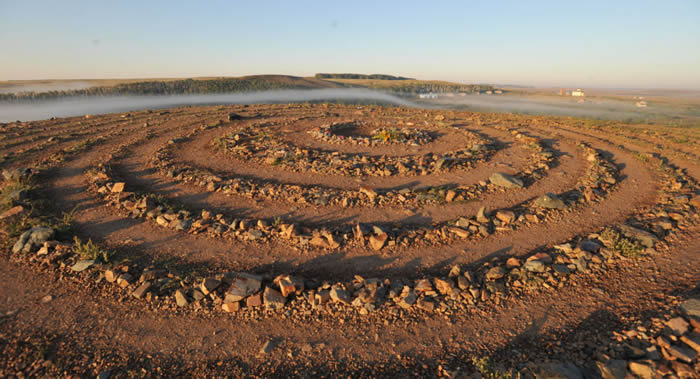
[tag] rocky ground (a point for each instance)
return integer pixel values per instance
(323, 240)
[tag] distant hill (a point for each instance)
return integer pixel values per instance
(185, 87)
(198, 86)
(361, 76)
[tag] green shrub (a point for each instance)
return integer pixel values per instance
(89, 250)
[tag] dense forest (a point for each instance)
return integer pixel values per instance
(361, 76)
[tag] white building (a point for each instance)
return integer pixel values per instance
(578, 92)
(427, 95)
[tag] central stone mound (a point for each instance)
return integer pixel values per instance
(354, 132)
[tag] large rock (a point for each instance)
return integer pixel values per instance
(378, 241)
(504, 180)
(691, 307)
(534, 266)
(244, 286)
(339, 295)
(647, 239)
(550, 201)
(558, 370)
(273, 299)
(612, 369)
(32, 239)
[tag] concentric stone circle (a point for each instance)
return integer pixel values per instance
(250, 214)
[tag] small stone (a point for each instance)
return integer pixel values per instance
(513, 262)
(691, 307)
(118, 187)
(378, 241)
(209, 285)
(82, 265)
(339, 295)
(612, 369)
(692, 340)
(372, 194)
(647, 239)
(552, 370)
(254, 300)
(534, 266)
(152, 275)
(550, 201)
(231, 307)
(245, 285)
(444, 286)
(462, 282)
(273, 299)
(423, 285)
(267, 347)
(481, 215)
(12, 212)
(682, 353)
(124, 280)
(47, 299)
(683, 370)
(33, 239)
(111, 275)
(180, 298)
(542, 257)
(408, 298)
(504, 180)
(641, 370)
(677, 325)
(505, 216)
(450, 196)
(461, 233)
(496, 273)
(290, 285)
(140, 292)
(426, 304)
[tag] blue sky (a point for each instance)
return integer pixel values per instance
(627, 44)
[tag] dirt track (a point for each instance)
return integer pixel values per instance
(88, 328)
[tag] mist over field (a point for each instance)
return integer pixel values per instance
(544, 106)
(75, 106)
(592, 107)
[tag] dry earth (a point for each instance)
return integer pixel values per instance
(235, 241)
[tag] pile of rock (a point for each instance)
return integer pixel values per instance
(660, 347)
(403, 136)
(232, 292)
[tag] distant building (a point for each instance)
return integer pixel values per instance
(498, 92)
(427, 95)
(641, 104)
(578, 92)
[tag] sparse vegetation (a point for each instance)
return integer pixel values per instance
(486, 368)
(89, 250)
(627, 247)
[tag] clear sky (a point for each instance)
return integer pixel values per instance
(622, 44)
